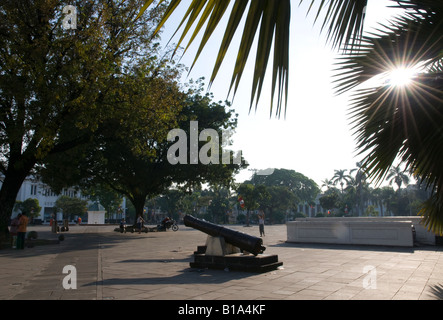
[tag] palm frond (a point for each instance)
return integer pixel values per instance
(408, 40)
(401, 122)
(343, 20)
(271, 19)
(404, 43)
(404, 122)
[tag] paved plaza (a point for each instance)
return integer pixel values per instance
(155, 266)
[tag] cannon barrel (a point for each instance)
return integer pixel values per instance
(239, 239)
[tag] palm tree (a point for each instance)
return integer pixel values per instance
(376, 195)
(397, 176)
(327, 183)
(360, 179)
(387, 194)
(341, 177)
(390, 121)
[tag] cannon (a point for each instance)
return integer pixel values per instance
(238, 239)
(229, 249)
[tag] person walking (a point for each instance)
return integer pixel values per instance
(21, 231)
(140, 221)
(261, 223)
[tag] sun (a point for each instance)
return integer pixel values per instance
(400, 77)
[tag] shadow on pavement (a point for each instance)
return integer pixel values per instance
(71, 242)
(186, 276)
(437, 291)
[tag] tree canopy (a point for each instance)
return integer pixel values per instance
(55, 82)
(131, 157)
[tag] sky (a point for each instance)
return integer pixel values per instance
(315, 137)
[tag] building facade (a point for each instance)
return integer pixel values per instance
(33, 188)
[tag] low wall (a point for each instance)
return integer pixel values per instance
(385, 231)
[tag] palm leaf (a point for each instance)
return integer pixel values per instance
(407, 41)
(271, 19)
(343, 21)
(406, 123)
(403, 123)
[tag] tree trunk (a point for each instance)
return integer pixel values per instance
(247, 217)
(8, 194)
(139, 204)
(381, 209)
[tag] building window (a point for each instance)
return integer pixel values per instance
(33, 189)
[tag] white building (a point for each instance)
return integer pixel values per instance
(35, 189)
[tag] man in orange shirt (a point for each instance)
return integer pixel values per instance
(21, 231)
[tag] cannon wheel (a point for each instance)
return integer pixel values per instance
(174, 227)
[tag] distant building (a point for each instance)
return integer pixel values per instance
(35, 189)
(96, 214)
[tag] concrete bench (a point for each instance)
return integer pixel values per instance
(357, 231)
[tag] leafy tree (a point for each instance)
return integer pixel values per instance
(280, 199)
(304, 188)
(170, 202)
(253, 196)
(400, 204)
(219, 206)
(131, 157)
(387, 195)
(330, 200)
(376, 197)
(30, 206)
(54, 81)
(104, 195)
(351, 198)
(192, 202)
(371, 212)
(71, 207)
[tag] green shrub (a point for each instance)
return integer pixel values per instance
(300, 215)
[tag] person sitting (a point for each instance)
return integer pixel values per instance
(122, 225)
(165, 222)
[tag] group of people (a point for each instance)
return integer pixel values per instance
(20, 223)
(18, 230)
(261, 223)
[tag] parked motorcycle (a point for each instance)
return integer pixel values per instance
(167, 224)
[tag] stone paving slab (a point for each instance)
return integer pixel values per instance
(155, 266)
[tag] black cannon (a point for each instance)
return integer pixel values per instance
(223, 246)
(238, 239)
